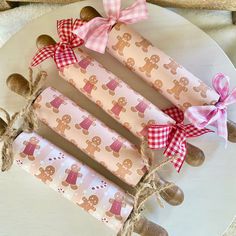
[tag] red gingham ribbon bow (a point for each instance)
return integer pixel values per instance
(173, 137)
(61, 52)
(95, 32)
(215, 115)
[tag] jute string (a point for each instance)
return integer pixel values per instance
(146, 188)
(27, 117)
(143, 191)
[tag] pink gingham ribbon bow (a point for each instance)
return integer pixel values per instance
(95, 32)
(173, 136)
(216, 115)
(62, 52)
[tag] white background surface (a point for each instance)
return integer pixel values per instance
(27, 207)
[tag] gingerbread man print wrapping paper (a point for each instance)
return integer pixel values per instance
(114, 96)
(89, 134)
(153, 65)
(99, 85)
(171, 79)
(177, 84)
(72, 179)
(202, 105)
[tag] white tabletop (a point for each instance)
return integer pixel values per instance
(27, 207)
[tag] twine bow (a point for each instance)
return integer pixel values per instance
(27, 117)
(173, 137)
(62, 52)
(143, 191)
(7, 138)
(214, 115)
(95, 32)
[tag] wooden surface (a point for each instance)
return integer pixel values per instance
(27, 207)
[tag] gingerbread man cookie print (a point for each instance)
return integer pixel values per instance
(30, 148)
(202, 88)
(93, 146)
(127, 125)
(72, 175)
(56, 103)
(46, 173)
(63, 124)
(117, 26)
(124, 168)
(90, 85)
(172, 66)
(117, 203)
(158, 85)
(122, 43)
(143, 44)
(84, 63)
(144, 131)
(184, 106)
(150, 65)
(85, 124)
(118, 107)
(141, 107)
(129, 63)
(179, 87)
(116, 146)
(89, 203)
(72, 82)
(111, 85)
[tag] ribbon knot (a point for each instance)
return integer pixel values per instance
(95, 32)
(179, 126)
(214, 115)
(220, 105)
(112, 21)
(173, 137)
(62, 52)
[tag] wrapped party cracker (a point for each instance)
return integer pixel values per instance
(89, 134)
(69, 177)
(72, 179)
(102, 87)
(202, 105)
(33, 149)
(98, 84)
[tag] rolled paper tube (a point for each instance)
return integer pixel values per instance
(78, 183)
(130, 168)
(162, 72)
(114, 96)
(90, 135)
(72, 179)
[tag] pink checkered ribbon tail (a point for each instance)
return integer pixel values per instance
(173, 137)
(62, 52)
(214, 115)
(95, 32)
